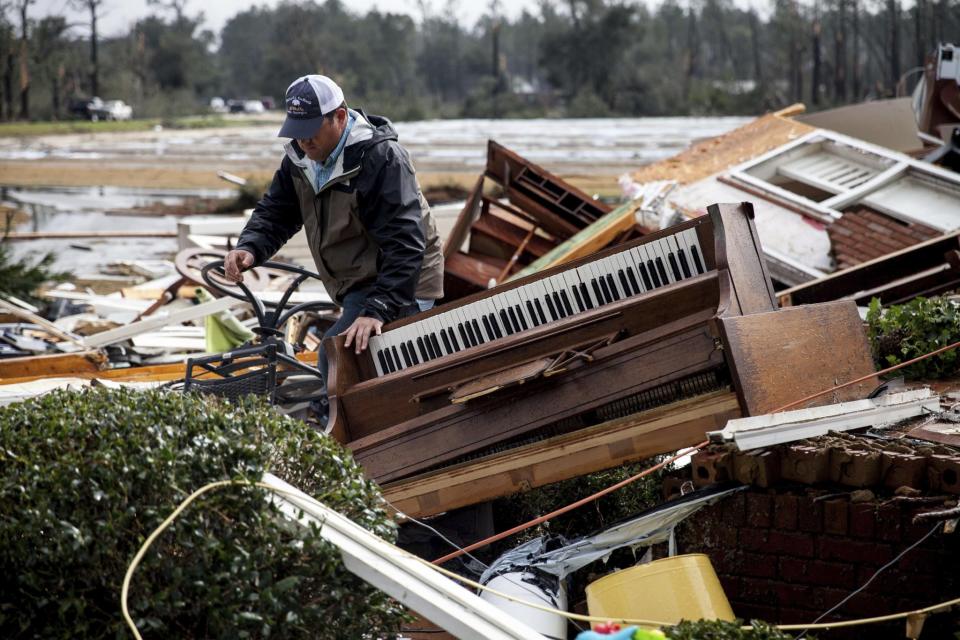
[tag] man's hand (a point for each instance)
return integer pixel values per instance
(360, 331)
(236, 261)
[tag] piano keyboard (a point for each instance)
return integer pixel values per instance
(629, 273)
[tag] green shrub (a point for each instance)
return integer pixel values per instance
(721, 630)
(85, 477)
(903, 332)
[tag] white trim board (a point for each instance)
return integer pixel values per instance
(161, 319)
(398, 574)
(771, 429)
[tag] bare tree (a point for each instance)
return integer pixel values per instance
(93, 6)
(815, 46)
(840, 53)
(22, 6)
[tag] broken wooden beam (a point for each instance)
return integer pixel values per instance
(636, 437)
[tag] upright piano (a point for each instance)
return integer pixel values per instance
(686, 310)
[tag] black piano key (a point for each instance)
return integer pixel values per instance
(396, 358)
(446, 341)
(682, 256)
(585, 294)
(472, 338)
(423, 349)
(533, 314)
(464, 336)
(486, 325)
(672, 259)
(624, 284)
(566, 302)
(383, 362)
(578, 299)
(597, 292)
(495, 326)
(631, 276)
(429, 346)
(605, 288)
(512, 314)
(558, 303)
(453, 339)
(516, 314)
(612, 286)
(645, 276)
(543, 316)
(652, 269)
(662, 271)
(436, 345)
(696, 260)
(506, 322)
(552, 309)
(476, 330)
(406, 355)
(390, 367)
(411, 348)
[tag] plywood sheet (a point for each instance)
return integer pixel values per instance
(717, 154)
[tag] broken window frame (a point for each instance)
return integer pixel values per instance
(891, 168)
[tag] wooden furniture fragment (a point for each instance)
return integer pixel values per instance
(406, 422)
(491, 239)
(925, 269)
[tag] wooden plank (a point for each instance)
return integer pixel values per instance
(780, 356)
(587, 241)
(53, 369)
(478, 272)
(469, 214)
(603, 446)
(739, 252)
(155, 322)
(49, 366)
(33, 318)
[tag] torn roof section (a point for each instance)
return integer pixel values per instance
(823, 200)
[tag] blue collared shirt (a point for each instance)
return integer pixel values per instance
(323, 170)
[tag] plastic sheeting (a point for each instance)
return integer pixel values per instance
(557, 557)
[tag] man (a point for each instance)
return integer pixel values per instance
(347, 180)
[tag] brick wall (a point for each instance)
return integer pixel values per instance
(786, 558)
(863, 234)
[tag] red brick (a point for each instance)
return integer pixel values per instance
(752, 610)
(710, 467)
(889, 528)
(785, 512)
(855, 468)
(810, 515)
(807, 465)
(757, 565)
(903, 470)
(847, 550)
(759, 468)
(862, 520)
(734, 509)
(789, 615)
(777, 542)
(943, 473)
(818, 572)
(759, 510)
(912, 532)
(835, 517)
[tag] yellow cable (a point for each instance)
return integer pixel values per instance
(566, 614)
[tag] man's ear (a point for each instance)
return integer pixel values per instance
(341, 116)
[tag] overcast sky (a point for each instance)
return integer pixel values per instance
(118, 15)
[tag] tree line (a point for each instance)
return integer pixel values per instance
(571, 57)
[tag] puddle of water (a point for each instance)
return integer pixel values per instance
(85, 209)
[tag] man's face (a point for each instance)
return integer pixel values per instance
(325, 140)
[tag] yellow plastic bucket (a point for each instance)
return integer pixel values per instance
(669, 590)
